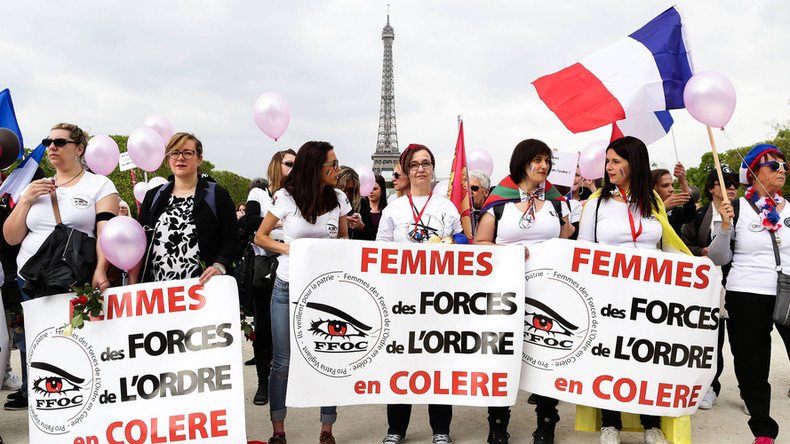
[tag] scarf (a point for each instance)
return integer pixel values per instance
(768, 214)
(508, 191)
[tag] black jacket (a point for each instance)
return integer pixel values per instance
(369, 232)
(218, 236)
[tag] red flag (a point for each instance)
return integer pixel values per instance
(458, 189)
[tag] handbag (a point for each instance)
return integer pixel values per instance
(67, 257)
(781, 313)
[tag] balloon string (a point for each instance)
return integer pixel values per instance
(743, 162)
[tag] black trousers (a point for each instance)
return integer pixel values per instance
(439, 416)
(716, 385)
(262, 345)
(545, 407)
(749, 328)
(611, 418)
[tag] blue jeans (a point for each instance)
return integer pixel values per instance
(281, 348)
(19, 339)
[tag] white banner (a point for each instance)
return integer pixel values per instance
(619, 328)
(163, 366)
(563, 168)
(376, 323)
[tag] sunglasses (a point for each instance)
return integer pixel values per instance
(333, 164)
(289, 164)
(396, 175)
(774, 165)
(475, 188)
(60, 143)
(729, 183)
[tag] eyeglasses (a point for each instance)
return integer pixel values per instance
(289, 164)
(333, 164)
(60, 143)
(774, 165)
(416, 166)
(187, 154)
(729, 183)
(396, 175)
(475, 188)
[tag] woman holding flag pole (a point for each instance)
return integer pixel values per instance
(516, 214)
(627, 212)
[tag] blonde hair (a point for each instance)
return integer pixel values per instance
(343, 176)
(179, 139)
(77, 134)
(274, 172)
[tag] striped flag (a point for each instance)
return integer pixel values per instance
(629, 84)
(458, 189)
(22, 175)
(8, 117)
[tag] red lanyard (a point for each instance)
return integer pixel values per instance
(418, 217)
(634, 232)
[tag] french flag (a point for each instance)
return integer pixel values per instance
(630, 84)
(20, 178)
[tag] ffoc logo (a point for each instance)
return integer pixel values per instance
(63, 381)
(340, 323)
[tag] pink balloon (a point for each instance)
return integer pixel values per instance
(161, 125)
(140, 188)
(366, 180)
(440, 189)
(146, 149)
(156, 181)
(272, 114)
(102, 155)
(592, 160)
(480, 160)
(709, 97)
(123, 242)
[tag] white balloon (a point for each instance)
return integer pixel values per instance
(156, 181)
(440, 189)
(140, 188)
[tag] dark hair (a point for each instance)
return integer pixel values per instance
(383, 187)
(713, 177)
(635, 152)
(258, 182)
(304, 183)
(523, 153)
(656, 175)
(406, 156)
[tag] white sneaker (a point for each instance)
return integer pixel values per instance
(392, 439)
(441, 439)
(655, 436)
(610, 435)
(12, 381)
(709, 400)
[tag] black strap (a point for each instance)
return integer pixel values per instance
(773, 239)
(595, 229)
(103, 216)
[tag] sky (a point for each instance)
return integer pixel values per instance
(107, 65)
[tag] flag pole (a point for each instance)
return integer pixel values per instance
(716, 161)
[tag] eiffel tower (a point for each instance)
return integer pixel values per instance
(387, 153)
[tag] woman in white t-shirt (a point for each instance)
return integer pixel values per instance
(259, 201)
(529, 218)
(752, 280)
(309, 207)
(86, 201)
(627, 212)
(419, 216)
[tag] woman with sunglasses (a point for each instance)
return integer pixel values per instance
(400, 183)
(627, 212)
(525, 209)
(190, 222)
(760, 227)
(697, 235)
(309, 206)
(419, 217)
(86, 202)
(259, 201)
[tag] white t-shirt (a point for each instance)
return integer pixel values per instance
(440, 218)
(576, 210)
(296, 227)
(77, 205)
(753, 264)
(545, 226)
(614, 227)
(262, 197)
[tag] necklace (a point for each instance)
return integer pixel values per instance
(68, 181)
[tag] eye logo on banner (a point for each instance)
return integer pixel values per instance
(62, 391)
(341, 323)
(562, 330)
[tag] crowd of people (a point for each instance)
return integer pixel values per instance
(192, 233)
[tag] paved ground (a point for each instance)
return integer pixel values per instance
(367, 424)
